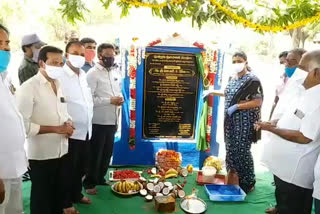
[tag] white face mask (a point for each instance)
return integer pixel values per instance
(54, 72)
(76, 61)
(237, 68)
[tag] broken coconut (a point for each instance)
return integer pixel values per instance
(150, 186)
(157, 189)
(143, 192)
(161, 184)
(149, 198)
(154, 170)
(167, 184)
(181, 194)
(184, 172)
(166, 191)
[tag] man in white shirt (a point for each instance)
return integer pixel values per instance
(80, 107)
(316, 184)
(105, 82)
(289, 91)
(295, 75)
(48, 127)
(294, 143)
(13, 161)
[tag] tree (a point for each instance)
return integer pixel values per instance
(279, 13)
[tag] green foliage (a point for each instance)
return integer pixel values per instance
(284, 12)
(73, 10)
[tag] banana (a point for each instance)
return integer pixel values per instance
(171, 171)
(136, 187)
(156, 176)
(120, 187)
(172, 175)
(124, 188)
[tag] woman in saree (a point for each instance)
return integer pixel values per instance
(243, 100)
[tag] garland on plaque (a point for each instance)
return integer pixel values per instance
(133, 83)
(210, 63)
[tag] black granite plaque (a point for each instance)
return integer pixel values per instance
(171, 84)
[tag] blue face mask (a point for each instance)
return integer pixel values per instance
(4, 60)
(290, 71)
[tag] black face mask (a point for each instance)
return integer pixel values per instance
(108, 61)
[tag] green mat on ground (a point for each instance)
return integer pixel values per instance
(106, 202)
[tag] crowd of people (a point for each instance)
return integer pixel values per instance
(67, 108)
(292, 147)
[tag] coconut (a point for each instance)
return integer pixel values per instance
(181, 194)
(159, 194)
(143, 192)
(161, 184)
(157, 189)
(149, 198)
(165, 191)
(154, 170)
(155, 181)
(184, 172)
(167, 184)
(142, 179)
(150, 186)
(179, 186)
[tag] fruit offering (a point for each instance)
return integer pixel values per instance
(171, 173)
(126, 174)
(213, 161)
(127, 187)
(167, 159)
(156, 188)
(190, 168)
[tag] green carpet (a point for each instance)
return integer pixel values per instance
(106, 202)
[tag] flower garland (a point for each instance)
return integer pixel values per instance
(233, 15)
(265, 28)
(156, 6)
(133, 83)
(210, 64)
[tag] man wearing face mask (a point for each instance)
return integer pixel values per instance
(90, 53)
(13, 162)
(80, 107)
(29, 67)
(293, 146)
(48, 126)
(105, 82)
(295, 75)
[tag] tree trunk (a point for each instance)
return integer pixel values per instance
(296, 37)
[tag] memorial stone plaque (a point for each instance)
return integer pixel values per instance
(171, 84)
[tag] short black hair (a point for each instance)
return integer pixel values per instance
(283, 54)
(88, 40)
(25, 46)
(43, 54)
(104, 46)
(73, 43)
(240, 54)
(4, 29)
